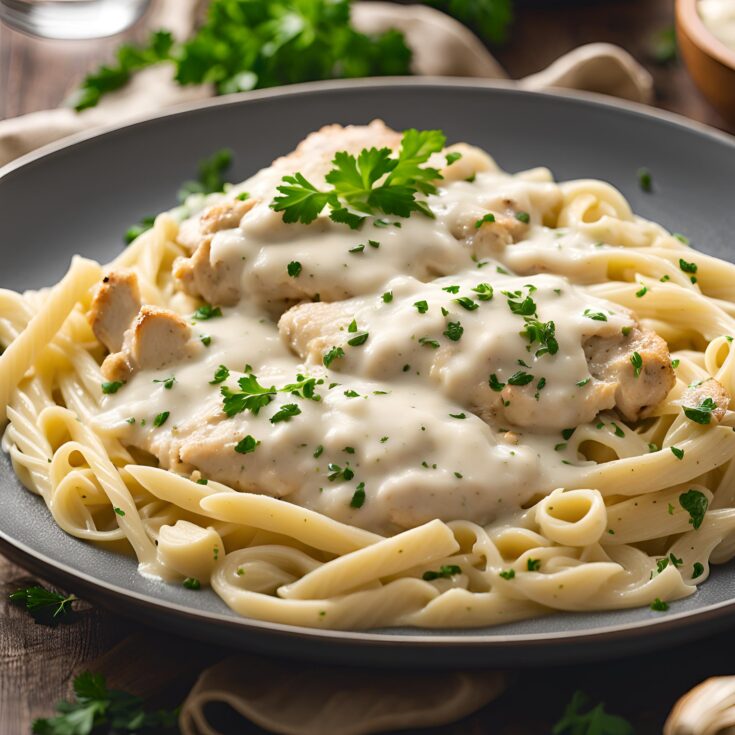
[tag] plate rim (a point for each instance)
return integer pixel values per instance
(468, 638)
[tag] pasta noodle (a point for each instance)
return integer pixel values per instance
(394, 473)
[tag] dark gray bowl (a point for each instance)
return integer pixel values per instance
(81, 197)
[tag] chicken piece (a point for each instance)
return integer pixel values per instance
(216, 283)
(310, 329)
(313, 155)
(640, 388)
(115, 304)
(698, 393)
(458, 349)
(491, 237)
(157, 338)
(225, 215)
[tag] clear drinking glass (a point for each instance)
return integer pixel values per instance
(71, 19)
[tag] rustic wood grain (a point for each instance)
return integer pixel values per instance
(37, 663)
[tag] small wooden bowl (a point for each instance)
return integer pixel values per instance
(710, 62)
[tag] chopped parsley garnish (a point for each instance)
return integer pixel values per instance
(617, 429)
(466, 303)
(454, 331)
(520, 378)
(202, 481)
(484, 291)
(358, 340)
(168, 383)
(626, 331)
(637, 362)
(687, 267)
(520, 305)
(452, 157)
(343, 474)
(678, 453)
(247, 445)
(426, 342)
(352, 327)
(583, 382)
(598, 316)
(446, 571)
(355, 191)
(697, 570)
(495, 384)
(675, 363)
(251, 397)
(489, 217)
(560, 447)
(220, 375)
(664, 278)
(318, 451)
(695, 503)
(334, 354)
(508, 574)
(374, 244)
(458, 415)
(524, 217)
(161, 418)
(192, 583)
(645, 180)
(285, 413)
(242, 196)
(421, 306)
(206, 312)
(120, 512)
(542, 332)
(205, 339)
(303, 387)
(357, 249)
(567, 434)
(358, 497)
(451, 289)
(659, 605)
(642, 291)
(533, 565)
(294, 269)
(46, 606)
(387, 297)
(112, 386)
(701, 414)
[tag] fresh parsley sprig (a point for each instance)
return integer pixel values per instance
(254, 44)
(95, 706)
(46, 606)
(373, 182)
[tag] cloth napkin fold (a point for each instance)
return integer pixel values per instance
(441, 46)
(299, 699)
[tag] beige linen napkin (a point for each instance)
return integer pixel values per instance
(442, 47)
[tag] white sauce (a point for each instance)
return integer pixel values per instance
(413, 460)
(719, 17)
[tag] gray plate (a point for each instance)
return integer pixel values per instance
(82, 196)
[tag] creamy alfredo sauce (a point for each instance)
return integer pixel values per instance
(719, 17)
(395, 437)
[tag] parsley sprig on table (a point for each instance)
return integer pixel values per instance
(253, 44)
(46, 606)
(595, 721)
(97, 707)
(374, 182)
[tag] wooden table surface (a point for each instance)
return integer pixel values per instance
(37, 663)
